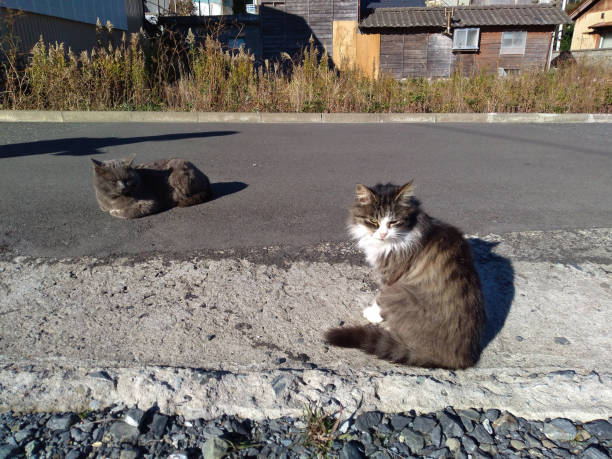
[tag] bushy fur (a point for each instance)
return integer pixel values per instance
(128, 191)
(429, 310)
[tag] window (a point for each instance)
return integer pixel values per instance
(606, 40)
(513, 42)
(502, 72)
(466, 39)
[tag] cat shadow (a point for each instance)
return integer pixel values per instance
(497, 278)
(87, 146)
(221, 189)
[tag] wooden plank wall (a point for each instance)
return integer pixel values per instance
(413, 55)
(488, 58)
(287, 25)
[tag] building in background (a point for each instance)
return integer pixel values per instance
(593, 27)
(436, 42)
(155, 8)
(70, 22)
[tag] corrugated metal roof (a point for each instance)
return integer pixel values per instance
(466, 16)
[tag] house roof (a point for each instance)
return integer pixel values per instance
(582, 8)
(465, 16)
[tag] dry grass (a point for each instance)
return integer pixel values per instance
(180, 75)
(320, 430)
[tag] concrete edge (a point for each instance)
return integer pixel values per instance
(252, 117)
(198, 393)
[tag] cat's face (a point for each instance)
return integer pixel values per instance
(383, 217)
(115, 178)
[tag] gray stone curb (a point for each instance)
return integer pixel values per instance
(227, 117)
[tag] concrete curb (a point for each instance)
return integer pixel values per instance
(246, 117)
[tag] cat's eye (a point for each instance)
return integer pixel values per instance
(394, 222)
(373, 221)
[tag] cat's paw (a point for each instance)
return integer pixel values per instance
(372, 314)
(117, 213)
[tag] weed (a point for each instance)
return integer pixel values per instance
(320, 429)
(195, 73)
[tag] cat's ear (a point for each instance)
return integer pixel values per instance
(128, 161)
(405, 192)
(364, 195)
(97, 164)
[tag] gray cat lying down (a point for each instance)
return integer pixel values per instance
(131, 191)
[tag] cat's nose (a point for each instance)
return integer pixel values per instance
(383, 234)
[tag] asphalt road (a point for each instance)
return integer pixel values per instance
(292, 184)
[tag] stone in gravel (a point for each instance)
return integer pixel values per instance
(413, 440)
(582, 435)
(450, 425)
(436, 436)
(352, 450)
(594, 452)
(491, 415)
(343, 427)
(600, 428)
(158, 425)
(214, 448)
(481, 435)
(134, 417)
(130, 453)
(32, 447)
(384, 429)
(443, 452)
(534, 452)
(74, 454)
(453, 445)
(548, 444)
(62, 421)
(468, 426)
(8, 451)
(560, 429)
(121, 432)
(531, 441)
(489, 449)
(24, 434)
(561, 452)
(518, 445)
(78, 435)
(469, 444)
(399, 421)
(505, 423)
(212, 430)
(368, 420)
(423, 424)
(471, 414)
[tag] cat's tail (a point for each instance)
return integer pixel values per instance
(194, 199)
(371, 339)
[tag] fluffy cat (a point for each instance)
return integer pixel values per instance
(429, 310)
(131, 191)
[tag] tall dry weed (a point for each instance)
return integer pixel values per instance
(198, 74)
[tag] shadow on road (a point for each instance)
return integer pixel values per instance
(221, 189)
(497, 277)
(84, 146)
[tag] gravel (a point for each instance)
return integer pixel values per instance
(129, 433)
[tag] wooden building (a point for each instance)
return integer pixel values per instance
(593, 26)
(435, 42)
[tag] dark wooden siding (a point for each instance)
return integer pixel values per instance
(411, 55)
(430, 54)
(287, 25)
(489, 58)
